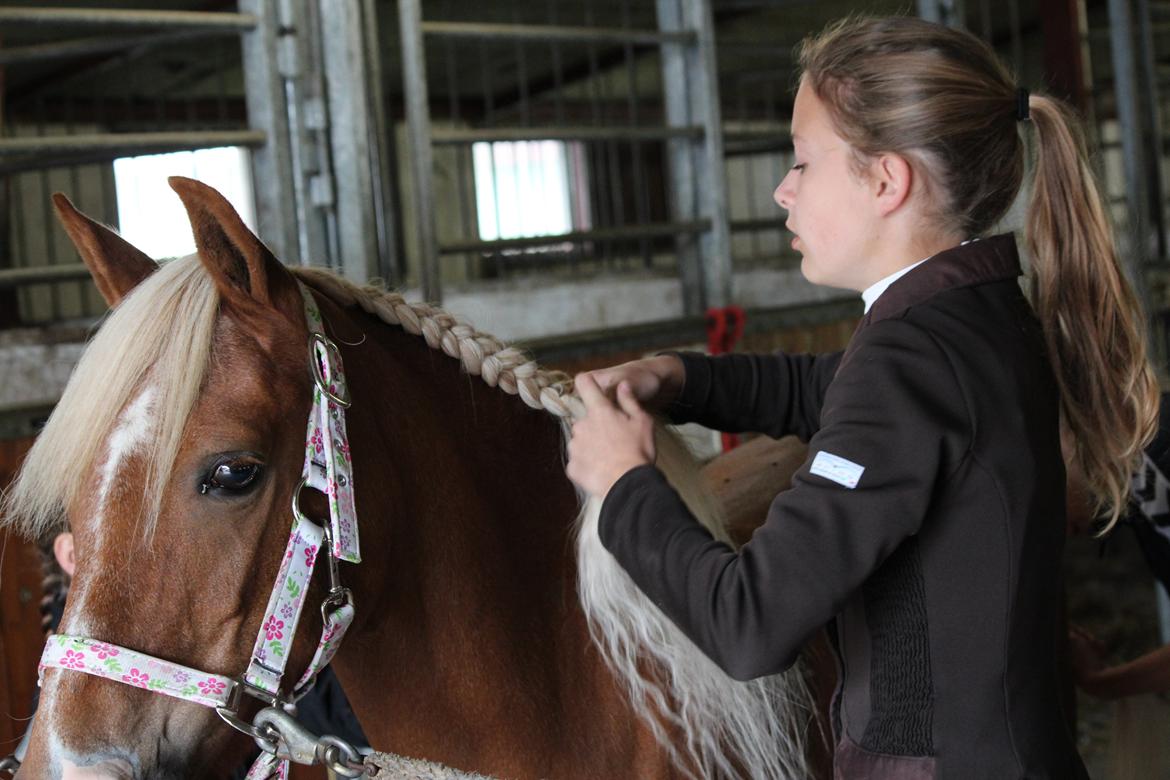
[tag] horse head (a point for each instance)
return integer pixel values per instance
(172, 456)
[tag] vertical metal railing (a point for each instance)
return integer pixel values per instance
(64, 133)
(583, 85)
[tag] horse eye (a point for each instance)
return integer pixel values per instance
(232, 475)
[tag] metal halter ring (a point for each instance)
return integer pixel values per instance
(10, 765)
(296, 501)
(266, 737)
(340, 757)
(331, 351)
(230, 713)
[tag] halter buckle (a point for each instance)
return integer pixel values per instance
(337, 597)
(331, 352)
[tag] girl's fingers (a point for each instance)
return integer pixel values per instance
(627, 400)
(589, 391)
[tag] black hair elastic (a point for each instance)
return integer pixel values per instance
(1022, 112)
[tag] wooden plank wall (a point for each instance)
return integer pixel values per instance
(20, 622)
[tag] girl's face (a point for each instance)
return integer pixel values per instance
(830, 207)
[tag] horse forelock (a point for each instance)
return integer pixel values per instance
(132, 390)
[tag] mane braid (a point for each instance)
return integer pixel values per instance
(729, 729)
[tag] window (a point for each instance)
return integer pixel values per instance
(526, 188)
(150, 214)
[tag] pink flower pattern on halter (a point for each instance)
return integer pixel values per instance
(73, 660)
(272, 629)
(135, 677)
(211, 686)
(104, 651)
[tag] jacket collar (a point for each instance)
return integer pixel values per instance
(991, 259)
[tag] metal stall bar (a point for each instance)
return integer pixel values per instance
(84, 47)
(357, 139)
(312, 79)
(19, 277)
(18, 155)
(269, 64)
(418, 133)
(541, 33)
(1138, 159)
(109, 17)
(627, 233)
(698, 188)
(423, 138)
(51, 144)
(583, 133)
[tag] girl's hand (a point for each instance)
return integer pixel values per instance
(654, 381)
(610, 440)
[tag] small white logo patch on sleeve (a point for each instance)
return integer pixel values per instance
(835, 468)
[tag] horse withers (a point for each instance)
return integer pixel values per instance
(492, 632)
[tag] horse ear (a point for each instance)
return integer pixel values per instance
(248, 276)
(115, 264)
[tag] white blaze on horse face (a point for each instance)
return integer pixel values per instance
(134, 427)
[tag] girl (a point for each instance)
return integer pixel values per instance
(929, 519)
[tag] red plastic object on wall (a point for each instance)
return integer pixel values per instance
(724, 330)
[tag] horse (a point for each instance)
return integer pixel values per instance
(492, 631)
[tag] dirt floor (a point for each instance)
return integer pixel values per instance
(1111, 592)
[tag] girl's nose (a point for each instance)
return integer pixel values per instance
(784, 193)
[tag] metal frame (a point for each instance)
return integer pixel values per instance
(556, 33)
(699, 188)
(108, 17)
(320, 161)
(692, 129)
(1131, 50)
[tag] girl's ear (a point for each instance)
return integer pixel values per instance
(892, 178)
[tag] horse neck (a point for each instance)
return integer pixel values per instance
(470, 648)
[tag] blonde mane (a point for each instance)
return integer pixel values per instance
(159, 334)
(162, 333)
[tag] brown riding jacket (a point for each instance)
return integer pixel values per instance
(928, 524)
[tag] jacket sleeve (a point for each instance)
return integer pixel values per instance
(777, 394)
(894, 420)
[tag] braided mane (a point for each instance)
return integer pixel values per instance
(481, 355)
(728, 728)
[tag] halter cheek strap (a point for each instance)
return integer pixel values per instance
(328, 468)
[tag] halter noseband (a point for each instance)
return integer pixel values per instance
(327, 468)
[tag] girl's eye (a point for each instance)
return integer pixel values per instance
(232, 475)
(800, 167)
